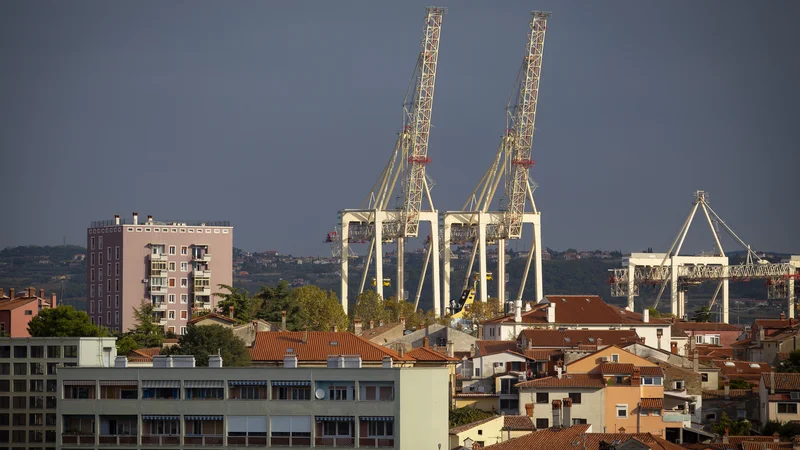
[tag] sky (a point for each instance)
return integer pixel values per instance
(276, 115)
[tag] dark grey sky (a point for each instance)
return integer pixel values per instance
(276, 115)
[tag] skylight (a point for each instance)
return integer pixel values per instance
(730, 364)
(333, 343)
(755, 366)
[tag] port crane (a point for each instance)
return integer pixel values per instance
(679, 271)
(377, 221)
(482, 221)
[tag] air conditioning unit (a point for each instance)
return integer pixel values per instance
(604, 359)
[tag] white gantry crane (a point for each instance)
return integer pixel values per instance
(378, 222)
(680, 271)
(477, 222)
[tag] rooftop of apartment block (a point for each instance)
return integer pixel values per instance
(135, 219)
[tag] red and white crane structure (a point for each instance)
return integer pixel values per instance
(682, 270)
(477, 222)
(378, 222)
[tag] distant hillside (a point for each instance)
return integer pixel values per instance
(45, 268)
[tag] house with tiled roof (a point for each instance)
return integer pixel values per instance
(438, 337)
(579, 312)
(18, 308)
(609, 389)
(482, 432)
(779, 395)
(380, 333)
(583, 437)
(741, 370)
(540, 338)
(714, 333)
(313, 348)
(735, 403)
(244, 331)
(766, 339)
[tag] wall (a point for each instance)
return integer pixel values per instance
(587, 409)
(631, 396)
(489, 403)
(423, 409)
(488, 432)
(647, 331)
(486, 363)
(591, 363)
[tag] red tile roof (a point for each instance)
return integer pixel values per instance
(379, 330)
(426, 354)
(475, 395)
(471, 425)
(579, 309)
(485, 348)
(773, 323)
(518, 423)
(272, 346)
(574, 338)
(144, 354)
(541, 355)
(576, 437)
(708, 326)
(212, 316)
(783, 381)
(615, 369)
(11, 304)
(654, 371)
(742, 370)
(566, 380)
(653, 403)
(734, 393)
(766, 445)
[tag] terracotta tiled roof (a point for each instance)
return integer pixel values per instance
(654, 371)
(734, 393)
(783, 381)
(518, 423)
(707, 326)
(743, 370)
(273, 346)
(766, 445)
(212, 316)
(426, 354)
(576, 437)
(566, 380)
(8, 305)
(377, 331)
(653, 403)
(574, 338)
(773, 323)
(580, 309)
(779, 397)
(616, 369)
(475, 395)
(471, 425)
(144, 354)
(541, 355)
(677, 332)
(485, 348)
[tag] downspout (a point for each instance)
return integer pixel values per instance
(638, 417)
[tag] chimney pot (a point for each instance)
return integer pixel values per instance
(116, 219)
(11, 292)
(551, 313)
(231, 311)
(41, 293)
(371, 324)
(357, 326)
(53, 300)
(646, 316)
(529, 409)
(556, 413)
(776, 437)
(136, 218)
(472, 350)
(783, 315)
(425, 341)
(305, 335)
(283, 320)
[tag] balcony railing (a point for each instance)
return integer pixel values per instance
(202, 258)
(247, 441)
(161, 440)
(118, 439)
(202, 290)
(160, 289)
(376, 442)
(159, 306)
(201, 274)
(203, 441)
(158, 257)
(334, 442)
(677, 418)
(77, 439)
(290, 441)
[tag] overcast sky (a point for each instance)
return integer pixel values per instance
(275, 115)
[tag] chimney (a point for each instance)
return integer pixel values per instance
(558, 372)
(402, 350)
(518, 311)
(357, 326)
(551, 313)
(567, 420)
(121, 361)
(556, 413)
(283, 320)
(472, 351)
(2, 294)
(450, 349)
(11, 292)
(696, 361)
(403, 322)
(636, 378)
(334, 328)
(599, 342)
(425, 341)
(622, 430)
(371, 324)
(136, 218)
(783, 316)
(760, 334)
(646, 316)
(776, 437)
(149, 219)
(116, 219)
(480, 332)
(41, 293)
(727, 385)
(305, 335)
(215, 361)
(290, 361)
(772, 383)
(529, 409)
(725, 439)
(52, 300)
(231, 311)
(673, 347)
(387, 362)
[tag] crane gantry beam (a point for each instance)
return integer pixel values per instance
(476, 222)
(376, 222)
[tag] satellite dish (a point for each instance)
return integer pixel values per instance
(319, 393)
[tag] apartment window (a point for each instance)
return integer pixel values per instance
(698, 339)
(108, 317)
(172, 282)
(20, 351)
(337, 393)
(116, 300)
(5, 351)
(542, 424)
(542, 397)
(172, 266)
(19, 402)
(183, 330)
(184, 298)
(100, 258)
(184, 250)
(652, 381)
(579, 421)
(99, 306)
(70, 351)
(100, 290)
(52, 385)
(184, 267)
(704, 377)
(713, 339)
(171, 315)
(282, 390)
(576, 397)
(787, 408)
(678, 385)
(384, 393)
(52, 367)
(5, 385)
(108, 284)
(108, 254)
(91, 246)
(171, 249)
(116, 286)
(171, 298)
(509, 403)
(91, 273)
(184, 314)
(116, 317)
(622, 411)
(116, 252)
(741, 414)
(477, 371)
(108, 301)
(615, 358)
(184, 282)
(100, 274)
(20, 386)
(100, 242)
(18, 420)
(249, 393)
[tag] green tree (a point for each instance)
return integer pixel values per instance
(277, 299)
(369, 307)
(245, 308)
(206, 340)
(321, 310)
(126, 344)
(479, 312)
(654, 313)
(465, 415)
(735, 428)
(395, 309)
(146, 332)
(64, 321)
(792, 364)
(740, 384)
(703, 314)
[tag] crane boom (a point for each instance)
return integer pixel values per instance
(419, 115)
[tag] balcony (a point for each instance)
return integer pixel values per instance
(159, 306)
(201, 274)
(158, 289)
(204, 257)
(158, 257)
(247, 441)
(71, 440)
(119, 439)
(676, 417)
(335, 431)
(376, 442)
(202, 290)
(78, 430)
(161, 440)
(206, 440)
(323, 441)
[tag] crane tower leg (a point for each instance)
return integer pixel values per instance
(725, 301)
(631, 286)
(401, 259)
(445, 263)
(367, 263)
(437, 300)
(528, 262)
(537, 241)
(482, 257)
(378, 255)
(345, 226)
(422, 277)
(674, 291)
(790, 297)
(501, 271)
